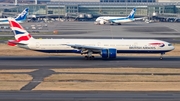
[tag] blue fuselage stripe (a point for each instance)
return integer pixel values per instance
(118, 51)
(3, 20)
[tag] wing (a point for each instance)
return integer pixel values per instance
(85, 47)
(111, 21)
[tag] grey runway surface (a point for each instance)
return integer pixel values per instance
(47, 62)
(43, 64)
(88, 29)
(89, 96)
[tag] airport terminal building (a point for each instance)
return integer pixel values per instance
(58, 8)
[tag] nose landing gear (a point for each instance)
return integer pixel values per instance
(161, 57)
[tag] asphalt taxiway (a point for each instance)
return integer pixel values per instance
(89, 96)
(88, 29)
(13, 62)
(44, 64)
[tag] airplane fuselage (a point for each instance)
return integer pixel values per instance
(121, 45)
(117, 20)
(5, 21)
(122, 20)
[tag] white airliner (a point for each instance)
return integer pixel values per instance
(107, 48)
(20, 18)
(117, 20)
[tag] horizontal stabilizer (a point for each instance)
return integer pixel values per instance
(14, 43)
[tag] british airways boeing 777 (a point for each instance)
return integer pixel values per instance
(106, 48)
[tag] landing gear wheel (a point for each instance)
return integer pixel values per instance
(86, 57)
(161, 57)
(89, 57)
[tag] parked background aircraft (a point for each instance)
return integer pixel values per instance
(107, 48)
(117, 20)
(20, 18)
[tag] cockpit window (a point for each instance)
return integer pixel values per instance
(169, 44)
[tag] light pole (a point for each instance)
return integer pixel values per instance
(15, 3)
(35, 2)
(126, 7)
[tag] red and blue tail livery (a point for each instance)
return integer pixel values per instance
(20, 33)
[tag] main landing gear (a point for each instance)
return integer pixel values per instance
(89, 56)
(119, 24)
(161, 57)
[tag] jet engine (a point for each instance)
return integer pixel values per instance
(108, 53)
(102, 22)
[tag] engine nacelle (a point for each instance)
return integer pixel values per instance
(96, 23)
(109, 53)
(102, 22)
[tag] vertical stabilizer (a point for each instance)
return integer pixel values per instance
(20, 33)
(22, 17)
(131, 15)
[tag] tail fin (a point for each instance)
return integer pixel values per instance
(21, 17)
(19, 32)
(131, 15)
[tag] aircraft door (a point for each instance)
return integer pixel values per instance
(99, 44)
(37, 44)
(136, 44)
